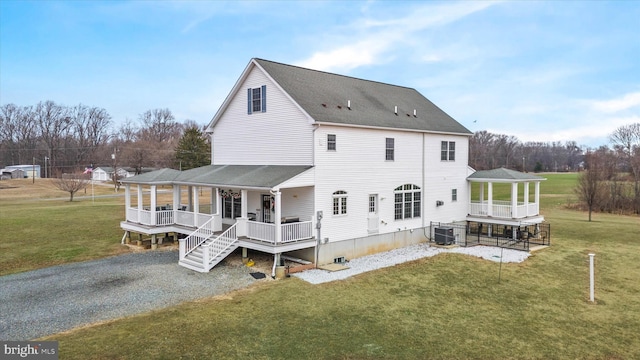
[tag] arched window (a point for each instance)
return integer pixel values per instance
(407, 201)
(340, 202)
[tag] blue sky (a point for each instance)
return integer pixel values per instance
(541, 71)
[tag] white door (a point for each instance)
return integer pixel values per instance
(373, 218)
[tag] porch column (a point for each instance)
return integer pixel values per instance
(196, 206)
(278, 215)
(526, 199)
(243, 203)
(190, 197)
(176, 202)
(140, 206)
(489, 198)
(218, 202)
(153, 194)
(127, 199)
(481, 193)
(514, 200)
(213, 201)
(241, 227)
(537, 197)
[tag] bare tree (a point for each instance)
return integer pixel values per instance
(91, 130)
(627, 138)
(72, 183)
(590, 188)
(54, 125)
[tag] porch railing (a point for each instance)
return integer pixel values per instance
(168, 217)
(202, 234)
(502, 209)
(221, 244)
(289, 232)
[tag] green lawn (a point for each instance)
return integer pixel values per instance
(449, 307)
(39, 233)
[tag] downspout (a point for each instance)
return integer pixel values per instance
(424, 200)
(278, 214)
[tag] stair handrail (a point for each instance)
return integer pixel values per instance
(197, 237)
(218, 245)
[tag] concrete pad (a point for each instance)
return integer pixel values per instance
(333, 267)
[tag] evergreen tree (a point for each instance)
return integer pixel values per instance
(193, 150)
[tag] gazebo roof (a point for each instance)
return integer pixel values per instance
(504, 175)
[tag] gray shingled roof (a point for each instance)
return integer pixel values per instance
(503, 174)
(257, 176)
(253, 176)
(324, 97)
(162, 176)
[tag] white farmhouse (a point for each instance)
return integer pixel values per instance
(316, 165)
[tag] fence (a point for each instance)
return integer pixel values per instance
(476, 233)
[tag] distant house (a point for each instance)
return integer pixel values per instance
(29, 171)
(105, 173)
(12, 174)
(322, 167)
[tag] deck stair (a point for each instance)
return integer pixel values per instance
(207, 249)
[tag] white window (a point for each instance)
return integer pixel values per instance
(373, 203)
(340, 202)
(257, 99)
(331, 142)
(454, 195)
(448, 151)
(407, 201)
(389, 149)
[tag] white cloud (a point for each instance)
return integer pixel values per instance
(625, 102)
(379, 37)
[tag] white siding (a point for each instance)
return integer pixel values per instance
(280, 136)
(443, 176)
(358, 166)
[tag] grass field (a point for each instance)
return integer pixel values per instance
(447, 307)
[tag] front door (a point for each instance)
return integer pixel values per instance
(267, 208)
(373, 218)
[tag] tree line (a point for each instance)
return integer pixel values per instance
(610, 174)
(67, 139)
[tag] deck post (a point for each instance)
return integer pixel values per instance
(182, 248)
(154, 244)
(139, 242)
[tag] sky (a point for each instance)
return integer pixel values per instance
(539, 71)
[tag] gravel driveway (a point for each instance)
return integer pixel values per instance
(47, 301)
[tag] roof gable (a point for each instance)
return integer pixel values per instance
(342, 100)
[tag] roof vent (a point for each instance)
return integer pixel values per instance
(324, 105)
(415, 113)
(395, 110)
(349, 104)
(339, 106)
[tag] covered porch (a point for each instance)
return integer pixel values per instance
(522, 206)
(264, 208)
